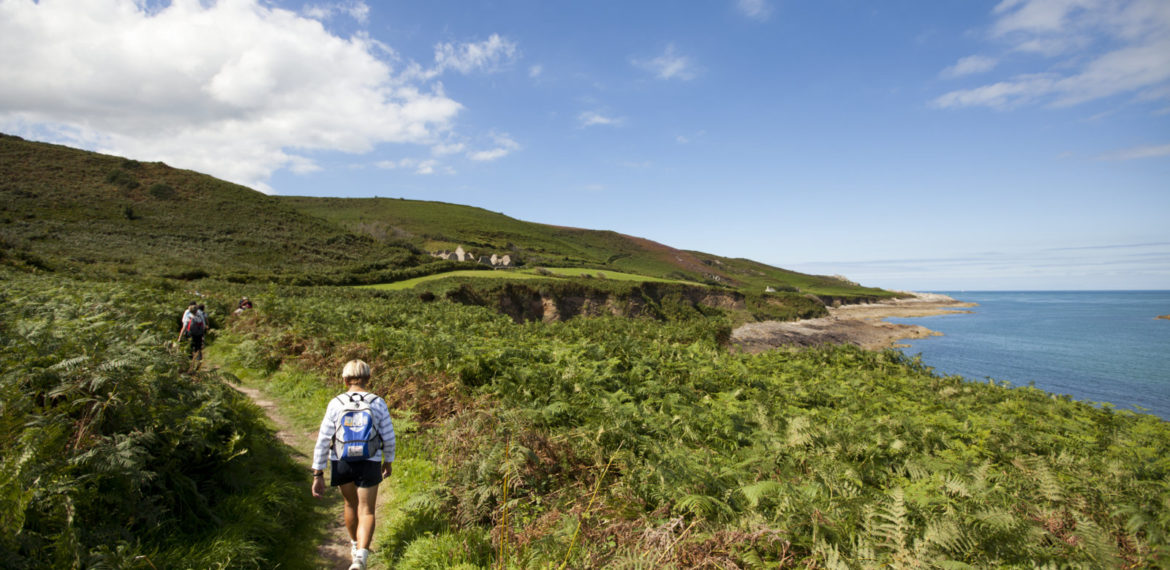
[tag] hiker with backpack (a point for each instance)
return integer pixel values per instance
(357, 437)
(194, 326)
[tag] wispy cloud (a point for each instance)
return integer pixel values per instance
(487, 55)
(970, 65)
(758, 10)
(669, 65)
(445, 149)
(427, 166)
(535, 71)
(357, 10)
(1090, 49)
(592, 118)
(503, 145)
(1135, 153)
(1110, 266)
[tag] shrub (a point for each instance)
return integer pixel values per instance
(162, 191)
(122, 178)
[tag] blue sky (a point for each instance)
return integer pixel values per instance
(1022, 144)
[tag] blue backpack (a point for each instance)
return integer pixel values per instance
(356, 438)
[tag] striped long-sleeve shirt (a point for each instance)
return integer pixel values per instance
(323, 452)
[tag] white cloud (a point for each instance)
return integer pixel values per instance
(591, 118)
(486, 56)
(1004, 94)
(447, 149)
(755, 9)
(1092, 49)
(1153, 151)
(535, 71)
(669, 65)
(239, 89)
(503, 146)
(970, 65)
(419, 166)
(357, 10)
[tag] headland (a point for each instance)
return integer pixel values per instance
(863, 325)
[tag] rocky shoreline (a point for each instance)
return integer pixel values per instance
(862, 325)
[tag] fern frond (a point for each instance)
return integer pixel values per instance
(760, 489)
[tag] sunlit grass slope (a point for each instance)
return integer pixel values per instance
(436, 226)
(77, 211)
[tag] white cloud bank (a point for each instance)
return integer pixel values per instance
(236, 88)
(1091, 49)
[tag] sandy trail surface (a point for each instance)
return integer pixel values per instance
(862, 325)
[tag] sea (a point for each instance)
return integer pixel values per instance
(1096, 346)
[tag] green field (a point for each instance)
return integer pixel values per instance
(543, 273)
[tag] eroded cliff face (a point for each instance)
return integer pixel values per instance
(525, 304)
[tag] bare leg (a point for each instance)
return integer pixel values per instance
(349, 492)
(367, 501)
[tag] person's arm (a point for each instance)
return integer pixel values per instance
(321, 449)
(386, 428)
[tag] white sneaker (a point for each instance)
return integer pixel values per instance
(352, 549)
(359, 559)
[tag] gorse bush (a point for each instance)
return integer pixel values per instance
(110, 457)
(699, 457)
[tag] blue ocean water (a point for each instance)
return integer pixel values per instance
(1100, 346)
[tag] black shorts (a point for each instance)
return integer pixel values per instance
(363, 473)
(196, 342)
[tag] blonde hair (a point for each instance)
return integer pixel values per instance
(355, 370)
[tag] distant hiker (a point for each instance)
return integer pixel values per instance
(194, 326)
(245, 304)
(357, 436)
(191, 308)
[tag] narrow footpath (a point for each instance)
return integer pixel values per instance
(334, 547)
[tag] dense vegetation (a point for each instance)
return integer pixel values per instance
(624, 442)
(111, 457)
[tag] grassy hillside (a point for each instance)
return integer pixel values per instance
(436, 226)
(77, 211)
(73, 210)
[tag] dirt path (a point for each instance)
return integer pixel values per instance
(334, 547)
